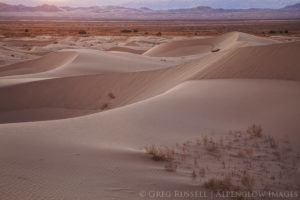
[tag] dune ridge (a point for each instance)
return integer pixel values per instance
(90, 86)
(45, 63)
(198, 46)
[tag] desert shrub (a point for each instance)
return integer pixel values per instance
(212, 147)
(135, 30)
(205, 140)
(272, 142)
(160, 154)
(255, 130)
(126, 31)
(218, 184)
(277, 155)
(83, 32)
(286, 31)
(249, 152)
(146, 33)
(111, 95)
(215, 50)
(240, 154)
(104, 106)
(159, 34)
(194, 174)
(26, 30)
(272, 32)
(247, 181)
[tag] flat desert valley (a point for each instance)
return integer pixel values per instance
(148, 113)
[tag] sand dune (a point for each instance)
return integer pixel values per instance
(198, 46)
(125, 49)
(94, 156)
(45, 63)
(91, 92)
(279, 61)
(95, 81)
(56, 141)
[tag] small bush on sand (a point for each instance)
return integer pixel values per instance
(212, 148)
(277, 155)
(218, 184)
(111, 95)
(126, 31)
(247, 181)
(240, 154)
(160, 154)
(82, 32)
(255, 131)
(159, 34)
(205, 140)
(272, 142)
(104, 106)
(272, 32)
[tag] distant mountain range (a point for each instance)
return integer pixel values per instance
(122, 13)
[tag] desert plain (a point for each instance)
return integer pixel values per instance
(160, 112)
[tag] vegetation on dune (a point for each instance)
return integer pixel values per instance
(239, 161)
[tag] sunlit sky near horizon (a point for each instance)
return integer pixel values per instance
(162, 4)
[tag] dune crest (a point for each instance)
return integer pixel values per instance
(89, 81)
(199, 46)
(45, 63)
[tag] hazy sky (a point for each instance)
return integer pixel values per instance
(164, 4)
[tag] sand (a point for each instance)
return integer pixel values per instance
(74, 122)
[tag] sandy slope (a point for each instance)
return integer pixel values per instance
(157, 101)
(280, 61)
(88, 80)
(197, 46)
(98, 156)
(45, 63)
(125, 49)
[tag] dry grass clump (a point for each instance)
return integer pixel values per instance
(212, 147)
(272, 142)
(249, 152)
(277, 155)
(247, 181)
(105, 106)
(160, 154)
(205, 140)
(222, 164)
(111, 95)
(240, 154)
(255, 131)
(82, 32)
(218, 184)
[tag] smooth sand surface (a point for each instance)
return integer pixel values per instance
(198, 46)
(74, 123)
(100, 156)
